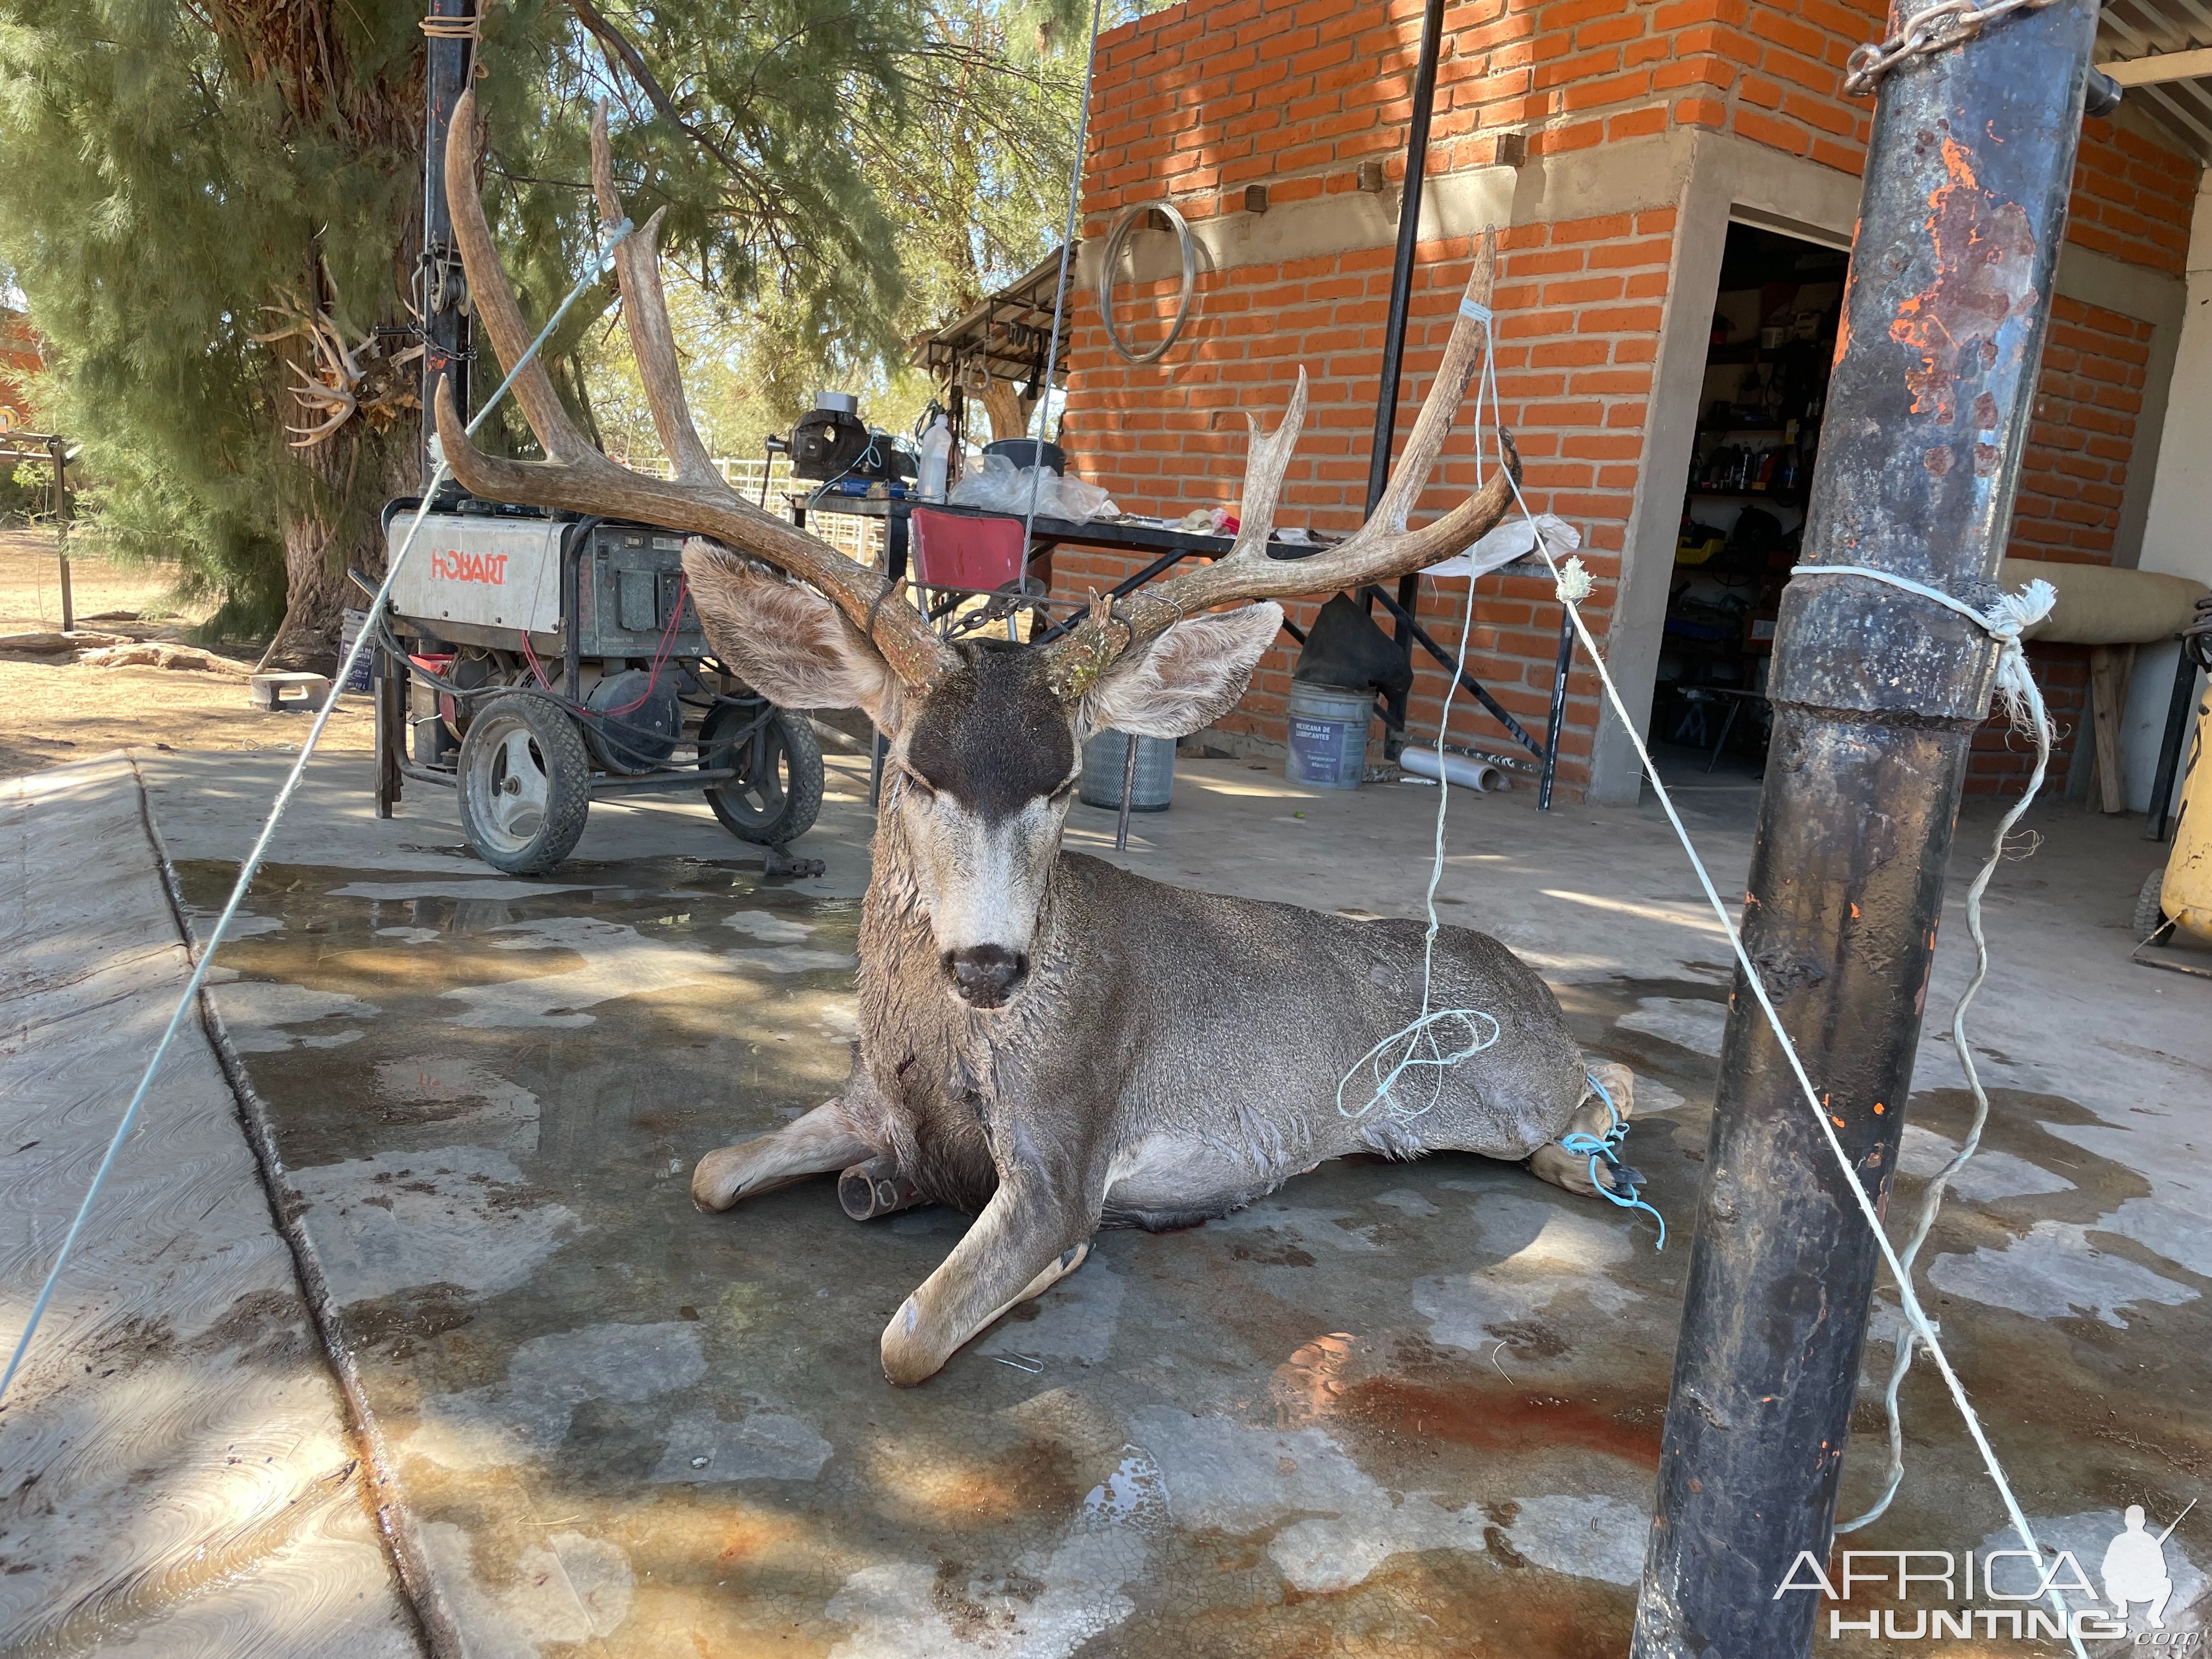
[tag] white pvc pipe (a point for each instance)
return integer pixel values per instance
(1475, 775)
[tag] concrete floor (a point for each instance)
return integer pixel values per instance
(1403, 1408)
(177, 1474)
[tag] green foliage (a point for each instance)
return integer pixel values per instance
(837, 175)
(969, 186)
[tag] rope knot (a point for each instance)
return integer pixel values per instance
(1574, 582)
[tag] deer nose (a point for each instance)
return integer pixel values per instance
(986, 975)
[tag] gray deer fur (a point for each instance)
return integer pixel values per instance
(1055, 1045)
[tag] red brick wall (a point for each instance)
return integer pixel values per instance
(1578, 306)
(2076, 467)
(2132, 198)
(2001, 759)
(2072, 479)
(1196, 102)
(1200, 99)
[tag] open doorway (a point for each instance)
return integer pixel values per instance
(1773, 342)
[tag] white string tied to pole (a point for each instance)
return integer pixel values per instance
(377, 605)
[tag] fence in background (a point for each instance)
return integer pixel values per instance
(855, 537)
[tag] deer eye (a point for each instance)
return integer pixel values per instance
(918, 787)
(1064, 790)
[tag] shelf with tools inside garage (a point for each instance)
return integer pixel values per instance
(1751, 473)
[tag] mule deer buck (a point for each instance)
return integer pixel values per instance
(1050, 1042)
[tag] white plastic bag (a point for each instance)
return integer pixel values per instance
(997, 485)
(1508, 542)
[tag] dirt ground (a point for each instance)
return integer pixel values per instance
(53, 709)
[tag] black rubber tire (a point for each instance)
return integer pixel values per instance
(558, 779)
(782, 804)
(2148, 917)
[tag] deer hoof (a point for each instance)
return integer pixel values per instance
(910, 1358)
(718, 1180)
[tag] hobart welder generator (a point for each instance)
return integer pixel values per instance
(533, 660)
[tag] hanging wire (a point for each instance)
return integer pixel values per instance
(291, 784)
(1059, 289)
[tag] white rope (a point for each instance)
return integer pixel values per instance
(2004, 624)
(1421, 1033)
(260, 848)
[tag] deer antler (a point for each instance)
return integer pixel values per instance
(1380, 548)
(579, 477)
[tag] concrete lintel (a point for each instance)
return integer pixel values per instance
(1583, 184)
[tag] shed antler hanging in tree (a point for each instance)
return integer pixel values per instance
(1046, 1040)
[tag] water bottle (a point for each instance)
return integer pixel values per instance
(936, 460)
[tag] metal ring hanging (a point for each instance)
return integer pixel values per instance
(1114, 239)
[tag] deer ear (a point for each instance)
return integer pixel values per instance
(1191, 677)
(784, 640)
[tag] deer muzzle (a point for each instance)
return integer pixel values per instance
(985, 975)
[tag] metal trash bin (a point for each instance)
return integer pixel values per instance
(1103, 758)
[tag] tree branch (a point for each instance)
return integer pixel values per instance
(617, 45)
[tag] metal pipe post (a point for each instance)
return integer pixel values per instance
(1402, 294)
(58, 452)
(1876, 695)
(1560, 670)
(444, 287)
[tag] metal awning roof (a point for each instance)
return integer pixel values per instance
(2161, 52)
(1005, 334)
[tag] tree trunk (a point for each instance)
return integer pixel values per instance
(332, 521)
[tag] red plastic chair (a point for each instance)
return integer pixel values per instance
(955, 556)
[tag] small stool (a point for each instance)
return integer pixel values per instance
(269, 689)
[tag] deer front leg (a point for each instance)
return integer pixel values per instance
(823, 1140)
(1025, 1242)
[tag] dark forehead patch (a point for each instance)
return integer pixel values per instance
(991, 734)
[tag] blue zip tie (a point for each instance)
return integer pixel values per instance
(1606, 1146)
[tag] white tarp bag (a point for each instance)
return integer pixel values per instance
(1508, 542)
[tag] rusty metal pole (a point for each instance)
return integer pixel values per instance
(1876, 695)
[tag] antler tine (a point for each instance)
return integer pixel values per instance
(580, 478)
(645, 314)
(1264, 471)
(1380, 548)
(495, 303)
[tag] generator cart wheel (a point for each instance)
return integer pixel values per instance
(2150, 918)
(525, 784)
(777, 792)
